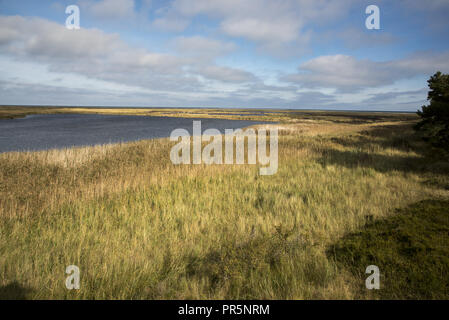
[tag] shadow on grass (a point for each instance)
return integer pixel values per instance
(14, 291)
(352, 117)
(380, 163)
(233, 264)
(400, 137)
(258, 268)
(411, 249)
(397, 137)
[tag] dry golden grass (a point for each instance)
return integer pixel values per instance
(236, 114)
(140, 227)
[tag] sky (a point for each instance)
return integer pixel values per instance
(305, 54)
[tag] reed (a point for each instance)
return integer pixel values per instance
(140, 227)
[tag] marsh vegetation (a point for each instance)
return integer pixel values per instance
(140, 227)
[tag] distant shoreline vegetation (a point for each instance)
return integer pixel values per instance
(256, 114)
(263, 109)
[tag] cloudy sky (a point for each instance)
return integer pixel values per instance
(314, 54)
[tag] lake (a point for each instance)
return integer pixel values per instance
(48, 131)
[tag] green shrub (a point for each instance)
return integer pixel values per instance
(435, 117)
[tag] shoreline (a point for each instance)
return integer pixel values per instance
(13, 112)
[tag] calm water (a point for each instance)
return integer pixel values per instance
(38, 132)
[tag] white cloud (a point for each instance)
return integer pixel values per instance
(261, 29)
(226, 74)
(201, 46)
(89, 52)
(171, 24)
(271, 24)
(98, 55)
(355, 38)
(346, 73)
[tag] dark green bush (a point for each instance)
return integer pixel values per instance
(434, 125)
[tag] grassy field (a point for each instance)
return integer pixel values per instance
(7, 112)
(11, 112)
(140, 227)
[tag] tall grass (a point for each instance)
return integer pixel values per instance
(140, 227)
